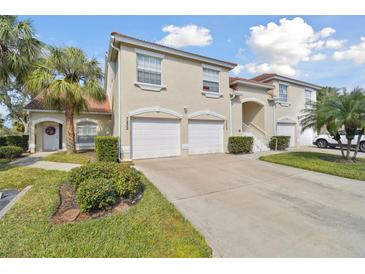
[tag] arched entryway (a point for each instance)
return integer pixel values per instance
(46, 134)
(253, 116)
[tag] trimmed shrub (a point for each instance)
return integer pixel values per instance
(14, 140)
(129, 184)
(240, 144)
(106, 148)
(283, 142)
(96, 193)
(97, 170)
(2, 141)
(10, 152)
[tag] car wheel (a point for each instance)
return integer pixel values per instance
(362, 146)
(322, 143)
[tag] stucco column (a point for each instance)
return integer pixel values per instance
(32, 138)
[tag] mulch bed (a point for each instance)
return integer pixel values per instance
(69, 211)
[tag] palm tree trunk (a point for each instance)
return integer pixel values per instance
(341, 148)
(70, 130)
(357, 146)
(348, 149)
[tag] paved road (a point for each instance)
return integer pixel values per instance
(249, 208)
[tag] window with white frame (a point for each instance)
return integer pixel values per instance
(308, 96)
(86, 132)
(283, 93)
(148, 69)
(210, 80)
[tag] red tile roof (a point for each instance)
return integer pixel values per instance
(93, 106)
(264, 76)
(249, 81)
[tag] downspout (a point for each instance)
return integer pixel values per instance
(231, 96)
(119, 100)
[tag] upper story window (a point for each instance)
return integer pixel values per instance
(210, 80)
(148, 69)
(283, 93)
(86, 132)
(308, 96)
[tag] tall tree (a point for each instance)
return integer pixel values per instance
(67, 78)
(19, 48)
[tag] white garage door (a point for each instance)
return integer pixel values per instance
(153, 138)
(306, 137)
(205, 136)
(287, 130)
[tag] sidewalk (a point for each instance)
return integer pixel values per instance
(35, 160)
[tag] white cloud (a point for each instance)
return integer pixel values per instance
(318, 57)
(289, 42)
(281, 46)
(334, 44)
(189, 35)
(355, 53)
(271, 68)
(326, 32)
(238, 69)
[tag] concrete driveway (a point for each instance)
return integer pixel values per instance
(249, 208)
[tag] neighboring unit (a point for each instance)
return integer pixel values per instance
(167, 102)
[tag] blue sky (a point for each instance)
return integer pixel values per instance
(325, 50)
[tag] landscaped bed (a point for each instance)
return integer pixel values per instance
(150, 228)
(74, 158)
(320, 162)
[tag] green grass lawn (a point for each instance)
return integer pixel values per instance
(75, 158)
(152, 228)
(320, 162)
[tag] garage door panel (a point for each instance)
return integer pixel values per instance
(306, 137)
(153, 138)
(287, 130)
(205, 137)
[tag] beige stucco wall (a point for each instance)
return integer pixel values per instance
(254, 95)
(296, 102)
(183, 79)
(37, 119)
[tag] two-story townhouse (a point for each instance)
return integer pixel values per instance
(171, 102)
(167, 102)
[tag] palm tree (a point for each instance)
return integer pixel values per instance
(67, 78)
(18, 48)
(342, 111)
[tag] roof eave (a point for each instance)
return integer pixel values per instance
(265, 86)
(153, 46)
(294, 81)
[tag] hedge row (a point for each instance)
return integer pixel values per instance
(106, 148)
(10, 152)
(15, 140)
(240, 144)
(282, 142)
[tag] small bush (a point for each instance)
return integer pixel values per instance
(2, 141)
(96, 193)
(240, 144)
(283, 142)
(10, 152)
(97, 170)
(106, 148)
(14, 140)
(129, 184)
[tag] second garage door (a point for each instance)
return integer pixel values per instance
(205, 136)
(284, 129)
(153, 138)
